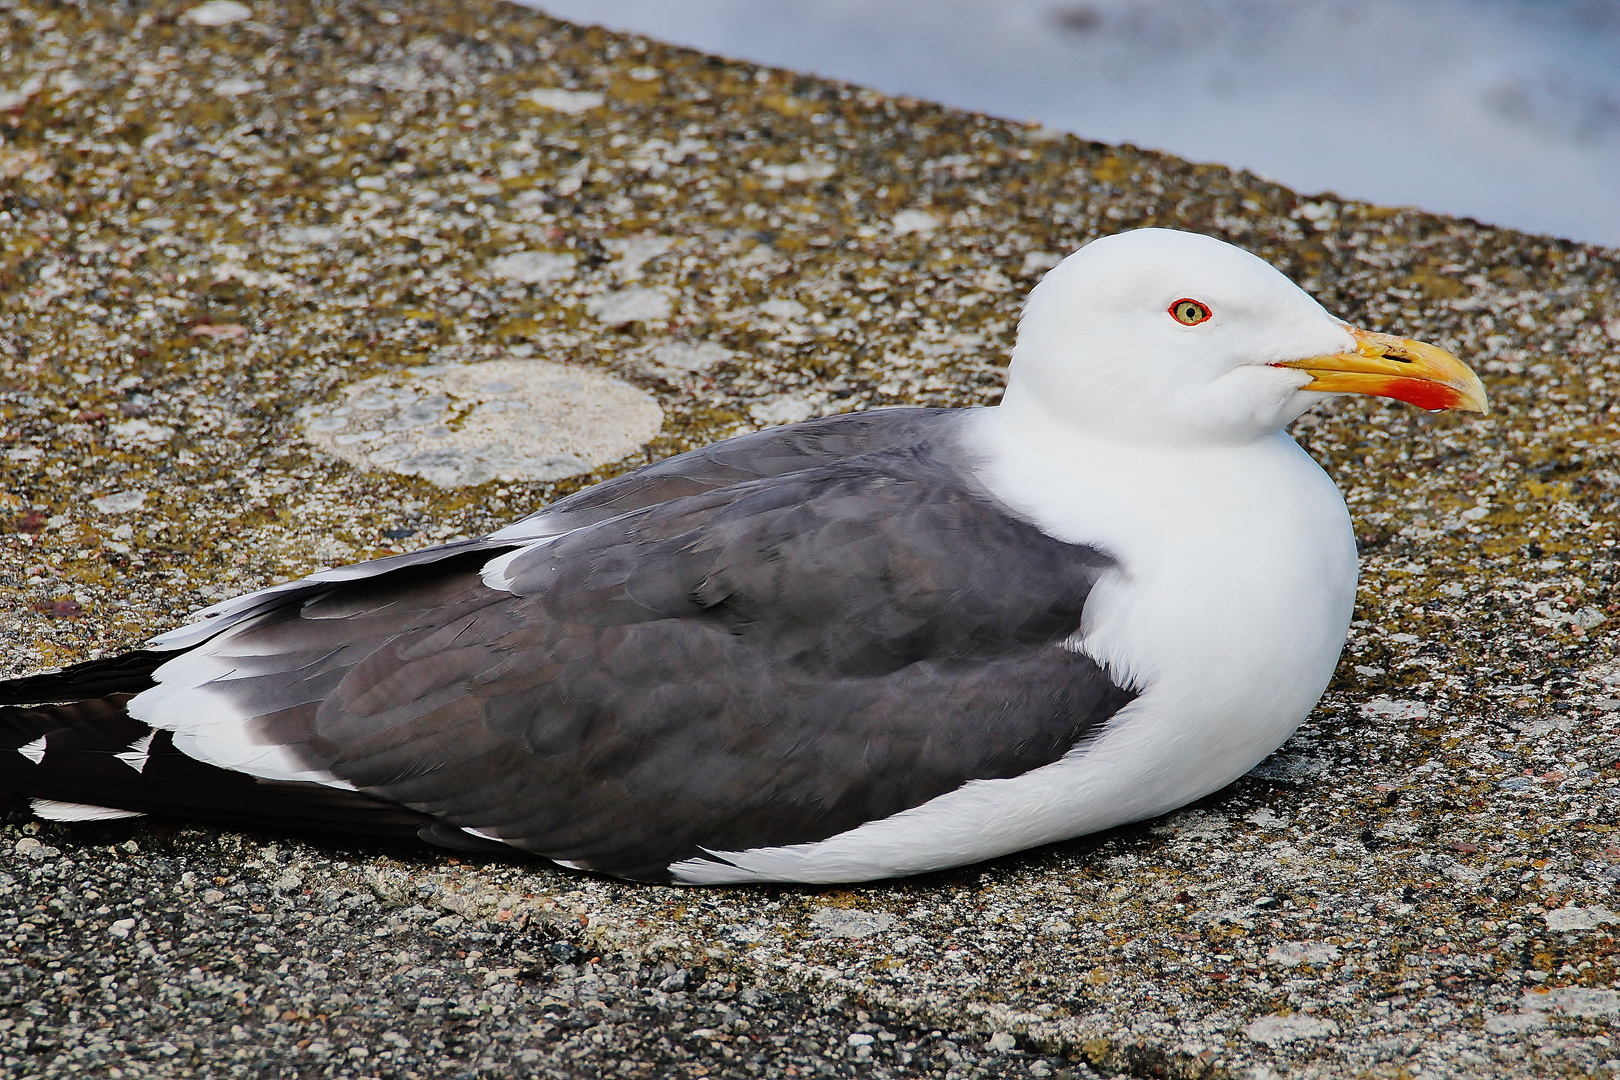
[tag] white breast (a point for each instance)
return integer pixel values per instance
(1235, 586)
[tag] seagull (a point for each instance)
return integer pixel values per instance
(864, 646)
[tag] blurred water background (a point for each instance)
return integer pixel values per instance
(1503, 110)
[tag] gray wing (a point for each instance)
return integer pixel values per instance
(762, 663)
(772, 452)
(767, 453)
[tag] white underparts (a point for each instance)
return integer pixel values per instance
(1227, 612)
(978, 821)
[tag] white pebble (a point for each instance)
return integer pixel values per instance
(218, 13)
(566, 101)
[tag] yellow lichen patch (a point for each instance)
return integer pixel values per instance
(322, 189)
(1434, 284)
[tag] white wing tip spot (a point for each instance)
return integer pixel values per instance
(34, 751)
(138, 753)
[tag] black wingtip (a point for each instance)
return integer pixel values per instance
(128, 673)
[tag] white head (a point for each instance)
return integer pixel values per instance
(1165, 336)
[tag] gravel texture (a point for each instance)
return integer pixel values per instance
(216, 223)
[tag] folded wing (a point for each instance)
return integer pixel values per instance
(741, 650)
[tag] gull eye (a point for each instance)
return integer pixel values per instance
(1189, 312)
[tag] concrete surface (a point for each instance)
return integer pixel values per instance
(211, 226)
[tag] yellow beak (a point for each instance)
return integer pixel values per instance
(1383, 365)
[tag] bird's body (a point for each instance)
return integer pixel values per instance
(866, 646)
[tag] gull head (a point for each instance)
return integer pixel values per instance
(1172, 337)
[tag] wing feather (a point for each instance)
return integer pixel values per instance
(765, 643)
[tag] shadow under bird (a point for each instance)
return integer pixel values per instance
(865, 646)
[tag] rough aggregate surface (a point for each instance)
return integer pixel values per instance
(216, 219)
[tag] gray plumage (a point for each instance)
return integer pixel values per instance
(769, 641)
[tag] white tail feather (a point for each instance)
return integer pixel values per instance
(52, 810)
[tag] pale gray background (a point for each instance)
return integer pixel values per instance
(1503, 110)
